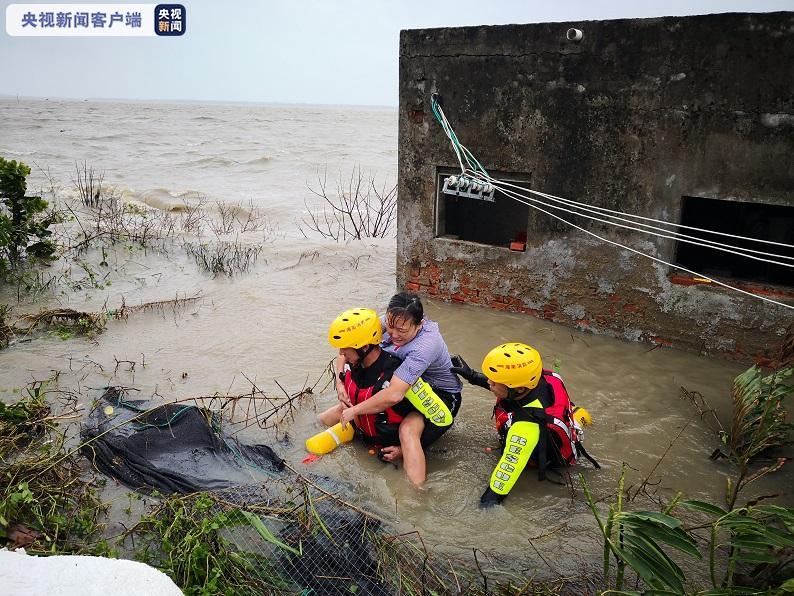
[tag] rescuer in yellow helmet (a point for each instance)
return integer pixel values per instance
(423, 378)
(533, 413)
(366, 370)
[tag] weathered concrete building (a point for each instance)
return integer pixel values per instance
(688, 120)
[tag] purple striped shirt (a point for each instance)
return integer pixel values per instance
(426, 356)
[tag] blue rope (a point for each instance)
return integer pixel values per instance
(454, 138)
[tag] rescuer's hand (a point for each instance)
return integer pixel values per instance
(489, 498)
(341, 394)
(346, 417)
(462, 369)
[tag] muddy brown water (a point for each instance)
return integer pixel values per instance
(270, 325)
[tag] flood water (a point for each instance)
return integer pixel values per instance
(270, 324)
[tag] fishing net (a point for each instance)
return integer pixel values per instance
(171, 448)
(278, 533)
(289, 536)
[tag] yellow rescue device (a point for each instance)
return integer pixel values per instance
(429, 404)
(329, 439)
(582, 416)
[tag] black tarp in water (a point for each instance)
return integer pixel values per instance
(176, 448)
(173, 448)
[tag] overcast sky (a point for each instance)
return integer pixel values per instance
(293, 51)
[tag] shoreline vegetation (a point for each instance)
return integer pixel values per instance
(294, 534)
(279, 537)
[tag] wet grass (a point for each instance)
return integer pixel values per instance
(49, 503)
(185, 536)
(222, 257)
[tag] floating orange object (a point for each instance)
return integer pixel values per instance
(310, 459)
(372, 452)
(488, 449)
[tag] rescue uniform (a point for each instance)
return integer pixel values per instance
(382, 429)
(537, 430)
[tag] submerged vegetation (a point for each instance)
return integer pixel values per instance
(291, 535)
(746, 549)
(49, 247)
(72, 233)
(67, 323)
(222, 257)
(184, 537)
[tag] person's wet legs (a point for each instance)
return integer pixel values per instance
(410, 443)
(331, 415)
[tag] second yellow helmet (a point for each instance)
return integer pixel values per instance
(355, 328)
(514, 365)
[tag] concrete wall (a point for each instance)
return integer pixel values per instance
(633, 117)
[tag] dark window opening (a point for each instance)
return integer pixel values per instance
(498, 223)
(754, 220)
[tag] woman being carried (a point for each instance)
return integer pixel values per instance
(424, 377)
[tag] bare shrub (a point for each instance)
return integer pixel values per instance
(222, 257)
(176, 305)
(234, 217)
(358, 210)
(88, 183)
(192, 216)
(254, 220)
(227, 217)
(114, 220)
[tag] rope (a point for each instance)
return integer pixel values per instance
(681, 238)
(675, 235)
(516, 196)
(662, 222)
(122, 403)
(476, 170)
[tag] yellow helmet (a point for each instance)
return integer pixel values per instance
(355, 328)
(514, 365)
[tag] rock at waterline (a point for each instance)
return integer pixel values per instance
(21, 573)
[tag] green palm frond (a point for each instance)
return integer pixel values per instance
(759, 418)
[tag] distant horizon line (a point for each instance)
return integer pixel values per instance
(4, 96)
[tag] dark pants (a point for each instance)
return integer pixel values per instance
(389, 435)
(432, 433)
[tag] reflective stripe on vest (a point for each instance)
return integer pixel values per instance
(522, 438)
(429, 404)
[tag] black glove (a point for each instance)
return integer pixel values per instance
(489, 498)
(460, 368)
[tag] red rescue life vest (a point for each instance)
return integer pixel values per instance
(366, 422)
(559, 419)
